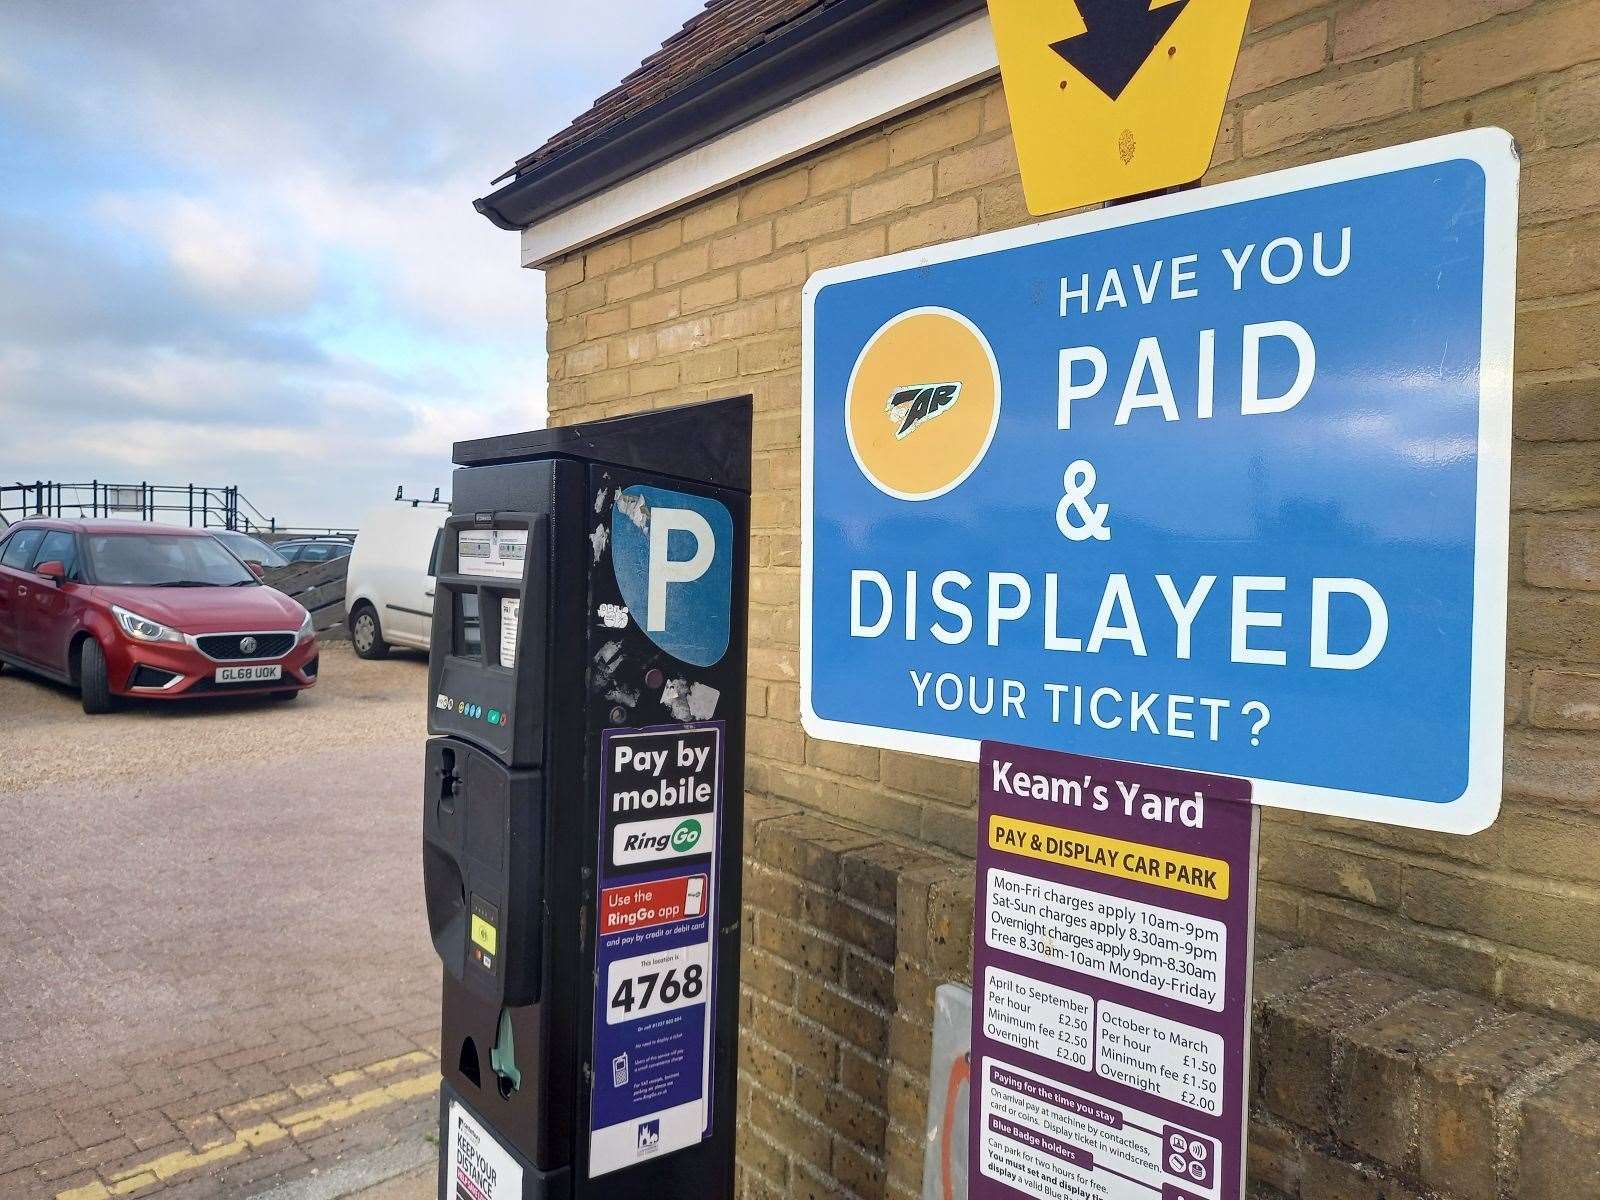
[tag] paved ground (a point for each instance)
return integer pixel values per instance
(215, 976)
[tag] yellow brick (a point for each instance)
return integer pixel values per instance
(758, 279)
(586, 359)
(943, 223)
(708, 293)
(784, 468)
(585, 296)
(604, 322)
(752, 241)
(784, 548)
(996, 114)
(1561, 184)
(713, 216)
(937, 131)
(867, 243)
(720, 362)
(602, 260)
(657, 377)
(605, 387)
(684, 336)
(656, 241)
(773, 195)
(1274, 60)
(1381, 25)
(563, 273)
(775, 510)
(1001, 205)
(1552, 339)
(774, 431)
(562, 396)
(1558, 260)
(630, 283)
(563, 334)
(759, 316)
(1569, 109)
(686, 264)
(850, 166)
(891, 195)
(650, 310)
(1548, 39)
(769, 354)
(1270, 12)
(976, 166)
(1227, 147)
(791, 308)
(1352, 100)
(778, 394)
(956, 783)
(804, 224)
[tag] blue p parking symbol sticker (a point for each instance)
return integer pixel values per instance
(673, 557)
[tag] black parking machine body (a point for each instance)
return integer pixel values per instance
(583, 807)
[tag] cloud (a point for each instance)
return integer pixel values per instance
(235, 260)
(240, 246)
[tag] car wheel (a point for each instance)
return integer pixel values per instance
(285, 695)
(94, 682)
(366, 634)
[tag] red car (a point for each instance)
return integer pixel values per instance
(122, 608)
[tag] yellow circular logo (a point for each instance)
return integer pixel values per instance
(923, 403)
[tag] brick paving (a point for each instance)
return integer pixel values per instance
(216, 977)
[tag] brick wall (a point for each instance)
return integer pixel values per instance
(706, 302)
(1365, 1084)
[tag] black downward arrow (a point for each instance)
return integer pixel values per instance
(1120, 37)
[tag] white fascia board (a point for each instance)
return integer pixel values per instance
(952, 59)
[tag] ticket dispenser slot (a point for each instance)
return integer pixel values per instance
(582, 807)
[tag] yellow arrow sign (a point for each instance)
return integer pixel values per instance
(1114, 98)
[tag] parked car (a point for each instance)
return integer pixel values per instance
(123, 608)
(389, 590)
(250, 549)
(314, 550)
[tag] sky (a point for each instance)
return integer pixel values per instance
(237, 242)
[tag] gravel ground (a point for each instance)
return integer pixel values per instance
(48, 739)
(214, 904)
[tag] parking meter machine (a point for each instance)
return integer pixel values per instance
(583, 807)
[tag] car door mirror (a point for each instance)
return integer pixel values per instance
(256, 569)
(55, 571)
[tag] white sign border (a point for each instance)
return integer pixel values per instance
(1496, 153)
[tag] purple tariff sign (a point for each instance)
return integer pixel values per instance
(1111, 980)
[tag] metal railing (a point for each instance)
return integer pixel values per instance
(197, 505)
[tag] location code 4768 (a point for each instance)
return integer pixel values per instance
(656, 983)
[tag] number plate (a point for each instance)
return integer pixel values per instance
(260, 674)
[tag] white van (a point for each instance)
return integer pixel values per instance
(389, 591)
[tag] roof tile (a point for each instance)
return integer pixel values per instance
(721, 31)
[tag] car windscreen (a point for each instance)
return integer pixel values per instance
(251, 549)
(158, 560)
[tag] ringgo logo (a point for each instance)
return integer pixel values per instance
(686, 836)
(660, 840)
(937, 432)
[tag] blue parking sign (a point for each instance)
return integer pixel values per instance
(1217, 481)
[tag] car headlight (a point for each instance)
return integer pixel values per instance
(307, 629)
(143, 628)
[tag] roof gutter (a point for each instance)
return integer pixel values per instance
(812, 53)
